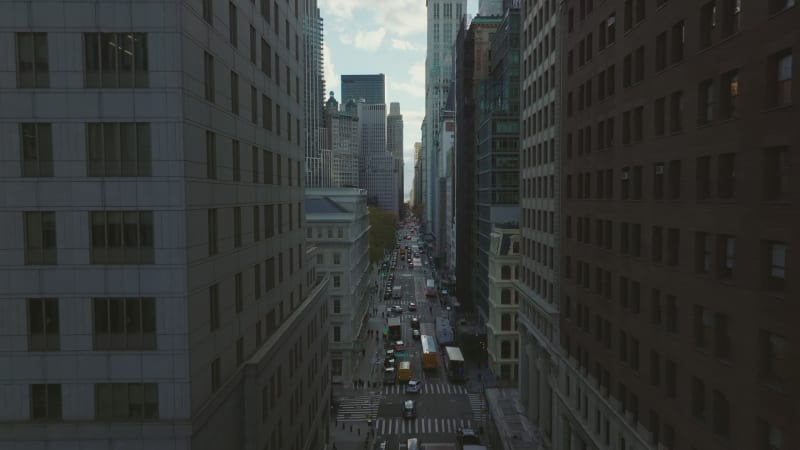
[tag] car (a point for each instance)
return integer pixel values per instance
(412, 306)
(387, 295)
(397, 309)
(399, 346)
(409, 409)
(389, 376)
(415, 323)
(414, 387)
(415, 334)
(389, 362)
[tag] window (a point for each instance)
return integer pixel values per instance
(783, 86)
(211, 155)
(772, 358)
(703, 178)
(238, 293)
(269, 177)
(505, 273)
(780, 5)
(627, 70)
(670, 378)
(125, 401)
(638, 69)
(658, 181)
(726, 246)
(655, 306)
(703, 252)
(253, 104)
(628, 15)
(678, 42)
(115, 60)
(726, 176)
(638, 123)
(40, 238)
(721, 414)
(118, 149)
(337, 258)
(216, 377)
(674, 180)
(256, 224)
(269, 274)
(37, 149)
(266, 58)
(705, 98)
(269, 221)
(732, 17)
(777, 173)
(208, 12)
(234, 93)
(337, 334)
(611, 28)
(266, 118)
(237, 227)
(337, 281)
(722, 338)
(45, 402)
(673, 246)
(699, 410)
(640, 11)
(124, 323)
(252, 44)
(237, 161)
(776, 265)
(337, 306)
(122, 237)
(212, 232)
(208, 80)
(32, 61)
(43, 324)
(232, 24)
(671, 318)
(770, 437)
(661, 52)
(239, 351)
(655, 368)
(657, 243)
(676, 112)
(708, 23)
(213, 306)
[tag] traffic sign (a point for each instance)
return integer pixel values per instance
(401, 355)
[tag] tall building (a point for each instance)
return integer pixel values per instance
(444, 217)
(317, 161)
(337, 224)
(497, 149)
(394, 145)
(491, 7)
(370, 88)
(376, 165)
(538, 286)
(680, 222)
(502, 334)
(443, 19)
(471, 66)
(417, 197)
(156, 288)
(341, 138)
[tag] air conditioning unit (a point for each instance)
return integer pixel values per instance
(659, 169)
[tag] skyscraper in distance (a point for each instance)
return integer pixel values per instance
(370, 88)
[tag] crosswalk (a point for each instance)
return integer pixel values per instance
(396, 425)
(427, 388)
(358, 408)
(478, 406)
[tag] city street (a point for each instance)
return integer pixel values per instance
(442, 408)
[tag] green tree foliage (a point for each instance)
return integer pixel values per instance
(382, 232)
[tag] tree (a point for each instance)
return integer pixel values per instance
(382, 233)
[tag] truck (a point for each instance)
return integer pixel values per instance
(395, 329)
(397, 292)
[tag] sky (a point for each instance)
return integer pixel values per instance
(382, 36)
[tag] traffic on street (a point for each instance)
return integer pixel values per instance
(416, 386)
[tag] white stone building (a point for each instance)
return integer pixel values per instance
(155, 287)
(338, 225)
(502, 337)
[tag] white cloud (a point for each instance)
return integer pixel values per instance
(402, 44)
(331, 77)
(369, 40)
(415, 84)
(398, 17)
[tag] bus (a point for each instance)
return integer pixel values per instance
(429, 360)
(430, 288)
(444, 333)
(454, 364)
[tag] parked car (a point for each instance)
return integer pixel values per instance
(399, 346)
(389, 362)
(414, 387)
(415, 335)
